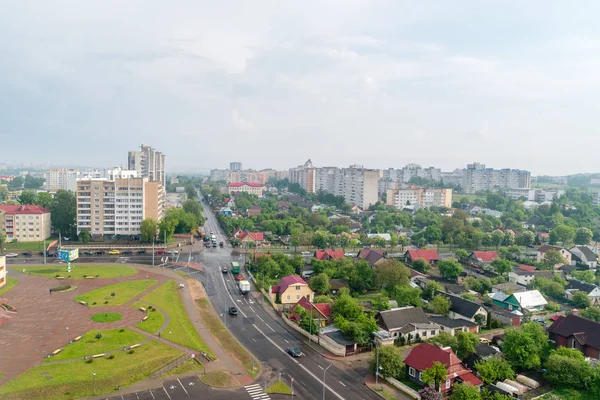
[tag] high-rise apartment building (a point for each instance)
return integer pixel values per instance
(235, 166)
(423, 197)
(217, 175)
(25, 223)
(117, 204)
(477, 178)
(61, 179)
(405, 174)
(148, 163)
(305, 176)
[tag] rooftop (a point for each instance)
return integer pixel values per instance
(24, 209)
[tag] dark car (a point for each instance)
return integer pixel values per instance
(294, 352)
(100, 253)
(88, 253)
(41, 253)
(27, 253)
(220, 244)
(52, 254)
(141, 251)
(224, 270)
(127, 252)
(214, 245)
(232, 311)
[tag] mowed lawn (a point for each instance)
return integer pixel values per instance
(79, 271)
(180, 329)
(10, 283)
(88, 345)
(124, 292)
(155, 320)
(74, 379)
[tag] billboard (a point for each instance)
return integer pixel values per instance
(68, 255)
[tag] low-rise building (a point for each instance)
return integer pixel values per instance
(407, 323)
(246, 237)
(529, 301)
(452, 326)
(583, 256)
(483, 257)
(25, 223)
(320, 312)
(328, 255)
(290, 289)
(575, 332)
(541, 251)
(373, 257)
(254, 210)
(591, 290)
(431, 256)
(256, 189)
(465, 309)
(524, 278)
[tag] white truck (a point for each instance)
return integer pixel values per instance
(244, 287)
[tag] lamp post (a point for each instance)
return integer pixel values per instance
(67, 330)
(324, 372)
(377, 366)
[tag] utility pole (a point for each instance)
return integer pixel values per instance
(44, 251)
(377, 366)
(324, 372)
(153, 252)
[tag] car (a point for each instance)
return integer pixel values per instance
(484, 341)
(240, 277)
(554, 317)
(114, 252)
(100, 253)
(232, 311)
(306, 253)
(172, 252)
(51, 254)
(220, 244)
(224, 270)
(27, 253)
(127, 252)
(141, 252)
(159, 252)
(294, 352)
(41, 253)
(88, 253)
(214, 245)
(12, 255)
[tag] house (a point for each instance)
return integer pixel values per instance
(385, 236)
(483, 257)
(524, 278)
(578, 333)
(465, 309)
(354, 226)
(508, 288)
(567, 270)
(506, 317)
(583, 256)
(328, 255)
(592, 291)
(422, 357)
(246, 187)
(290, 289)
(452, 326)
(307, 271)
(230, 202)
(283, 206)
(373, 257)
(431, 256)
(482, 353)
(528, 268)
(336, 284)
(546, 247)
(225, 211)
(246, 237)
(529, 301)
(407, 322)
(321, 312)
(254, 210)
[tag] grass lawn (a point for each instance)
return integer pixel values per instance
(180, 329)
(279, 387)
(215, 325)
(26, 246)
(186, 366)
(74, 379)
(155, 320)
(106, 317)
(88, 345)
(79, 270)
(10, 283)
(124, 292)
(570, 394)
(216, 378)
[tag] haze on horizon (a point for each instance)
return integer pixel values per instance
(380, 83)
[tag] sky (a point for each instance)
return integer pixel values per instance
(272, 83)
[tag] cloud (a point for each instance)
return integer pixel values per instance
(241, 123)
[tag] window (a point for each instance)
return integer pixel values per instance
(447, 383)
(432, 333)
(420, 376)
(411, 371)
(424, 334)
(297, 287)
(297, 297)
(288, 297)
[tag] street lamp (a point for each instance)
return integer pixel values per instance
(377, 365)
(324, 371)
(67, 335)
(94, 377)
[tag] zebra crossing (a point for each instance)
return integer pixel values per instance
(256, 392)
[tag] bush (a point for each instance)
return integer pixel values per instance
(57, 275)
(106, 302)
(97, 276)
(89, 361)
(402, 340)
(495, 324)
(94, 303)
(60, 288)
(131, 351)
(85, 276)
(111, 357)
(122, 330)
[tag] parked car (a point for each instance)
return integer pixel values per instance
(114, 252)
(27, 253)
(306, 253)
(232, 311)
(88, 253)
(11, 255)
(100, 253)
(141, 252)
(41, 253)
(51, 254)
(159, 252)
(127, 252)
(172, 252)
(294, 352)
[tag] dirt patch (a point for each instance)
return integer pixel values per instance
(222, 379)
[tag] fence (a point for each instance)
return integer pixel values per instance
(323, 341)
(402, 387)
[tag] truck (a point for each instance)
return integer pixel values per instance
(213, 237)
(235, 267)
(244, 287)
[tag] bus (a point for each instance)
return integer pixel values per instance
(235, 267)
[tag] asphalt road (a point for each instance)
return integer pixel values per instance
(266, 337)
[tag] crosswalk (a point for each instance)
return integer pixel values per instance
(256, 392)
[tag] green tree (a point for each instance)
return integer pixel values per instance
(421, 265)
(494, 369)
(31, 182)
(391, 273)
(390, 362)
(526, 238)
(567, 368)
(435, 375)
(320, 240)
(583, 236)
(393, 241)
(553, 258)
(497, 237)
(586, 276)
(439, 304)
(445, 340)
(502, 266)
(166, 228)
(380, 302)
(580, 299)
(406, 295)
(461, 255)
(592, 313)
(3, 193)
(44, 199)
(522, 348)
(28, 197)
(148, 229)
(467, 342)
(2, 240)
(346, 306)
(190, 192)
(194, 207)
(430, 288)
(564, 234)
(319, 283)
(64, 212)
(16, 183)
(85, 236)
(552, 306)
(450, 269)
(464, 391)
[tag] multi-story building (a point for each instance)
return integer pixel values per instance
(148, 163)
(537, 195)
(217, 175)
(117, 204)
(477, 178)
(25, 223)
(235, 166)
(405, 174)
(252, 188)
(2, 271)
(305, 176)
(423, 197)
(596, 198)
(358, 185)
(61, 179)
(247, 176)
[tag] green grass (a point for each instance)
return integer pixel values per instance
(180, 329)
(155, 320)
(106, 317)
(570, 394)
(79, 270)
(279, 387)
(186, 366)
(26, 246)
(10, 283)
(88, 345)
(124, 292)
(74, 379)
(216, 379)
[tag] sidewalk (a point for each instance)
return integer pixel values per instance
(387, 388)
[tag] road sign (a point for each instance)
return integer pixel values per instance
(68, 255)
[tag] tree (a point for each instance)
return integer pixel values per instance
(421, 265)
(435, 375)
(445, 340)
(580, 299)
(564, 234)
(98, 336)
(391, 273)
(64, 212)
(567, 368)
(319, 240)
(191, 192)
(439, 304)
(85, 236)
(429, 393)
(526, 238)
(552, 306)
(380, 302)
(592, 313)
(450, 269)
(148, 228)
(390, 362)
(33, 183)
(319, 283)
(430, 288)
(467, 341)
(393, 241)
(2, 240)
(586, 276)
(522, 348)
(346, 306)
(494, 369)
(166, 228)
(461, 255)
(583, 236)
(497, 237)
(502, 266)
(553, 258)
(194, 207)
(406, 295)
(3, 193)
(44, 199)
(464, 391)
(28, 197)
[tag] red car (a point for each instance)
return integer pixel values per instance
(240, 277)
(554, 317)
(159, 252)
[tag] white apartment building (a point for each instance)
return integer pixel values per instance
(305, 176)
(61, 179)
(477, 178)
(537, 195)
(406, 173)
(25, 223)
(218, 175)
(148, 163)
(235, 166)
(356, 184)
(423, 197)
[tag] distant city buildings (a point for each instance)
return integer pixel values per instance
(61, 179)
(477, 178)
(248, 176)
(25, 223)
(410, 171)
(410, 195)
(251, 188)
(305, 176)
(148, 163)
(537, 195)
(235, 166)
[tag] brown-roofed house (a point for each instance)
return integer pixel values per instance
(431, 256)
(578, 333)
(373, 257)
(290, 289)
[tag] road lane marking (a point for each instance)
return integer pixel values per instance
(252, 309)
(342, 383)
(254, 339)
(320, 367)
(259, 317)
(231, 297)
(152, 394)
(168, 395)
(270, 327)
(286, 341)
(186, 392)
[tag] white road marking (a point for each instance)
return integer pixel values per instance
(252, 309)
(270, 327)
(168, 395)
(320, 367)
(254, 339)
(286, 341)
(231, 297)
(342, 383)
(186, 392)
(152, 394)
(259, 317)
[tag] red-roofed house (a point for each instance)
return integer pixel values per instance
(321, 312)
(290, 289)
(431, 256)
(484, 257)
(247, 237)
(6, 178)
(422, 358)
(327, 255)
(246, 187)
(230, 202)
(528, 268)
(25, 223)
(254, 210)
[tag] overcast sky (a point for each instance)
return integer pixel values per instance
(272, 83)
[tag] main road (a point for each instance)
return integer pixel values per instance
(265, 335)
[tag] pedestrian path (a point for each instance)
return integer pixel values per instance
(256, 392)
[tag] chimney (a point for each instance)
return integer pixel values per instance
(575, 312)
